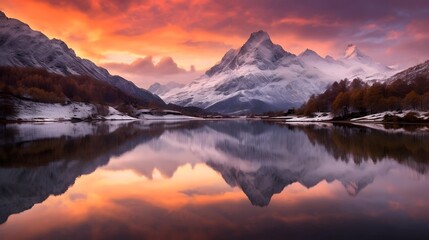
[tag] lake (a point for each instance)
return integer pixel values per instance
(213, 180)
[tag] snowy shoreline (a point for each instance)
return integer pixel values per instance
(418, 117)
(30, 111)
(26, 111)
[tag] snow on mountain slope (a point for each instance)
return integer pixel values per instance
(364, 67)
(158, 88)
(354, 64)
(23, 47)
(412, 72)
(261, 76)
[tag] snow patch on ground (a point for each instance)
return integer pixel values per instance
(163, 115)
(318, 117)
(167, 117)
(326, 116)
(53, 112)
(116, 115)
(379, 117)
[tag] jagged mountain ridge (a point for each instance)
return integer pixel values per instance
(20, 46)
(259, 50)
(261, 76)
(412, 72)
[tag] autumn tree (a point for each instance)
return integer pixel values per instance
(311, 106)
(393, 103)
(340, 106)
(357, 101)
(412, 100)
(373, 97)
(425, 101)
(398, 88)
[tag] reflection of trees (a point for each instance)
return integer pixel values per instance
(32, 171)
(43, 151)
(261, 158)
(359, 143)
(85, 148)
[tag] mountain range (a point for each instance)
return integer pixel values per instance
(261, 76)
(20, 46)
(258, 77)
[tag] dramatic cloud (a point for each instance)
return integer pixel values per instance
(166, 66)
(199, 32)
(144, 71)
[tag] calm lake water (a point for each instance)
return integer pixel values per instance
(213, 180)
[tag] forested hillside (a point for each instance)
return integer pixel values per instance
(347, 97)
(43, 86)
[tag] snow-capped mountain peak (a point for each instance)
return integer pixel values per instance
(308, 52)
(261, 76)
(2, 15)
(258, 51)
(352, 51)
(310, 55)
(329, 58)
(258, 37)
(360, 65)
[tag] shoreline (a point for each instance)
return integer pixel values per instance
(274, 120)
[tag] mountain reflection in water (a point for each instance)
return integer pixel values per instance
(261, 159)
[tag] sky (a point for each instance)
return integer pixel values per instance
(150, 41)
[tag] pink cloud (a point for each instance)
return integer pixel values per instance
(146, 66)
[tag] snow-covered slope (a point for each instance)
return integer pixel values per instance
(261, 76)
(354, 64)
(159, 89)
(26, 110)
(412, 72)
(23, 47)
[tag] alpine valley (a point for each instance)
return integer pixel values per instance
(259, 77)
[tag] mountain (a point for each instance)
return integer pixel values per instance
(411, 73)
(158, 88)
(261, 76)
(20, 46)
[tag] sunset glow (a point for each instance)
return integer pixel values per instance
(198, 33)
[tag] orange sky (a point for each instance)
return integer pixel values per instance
(199, 32)
(101, 194)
